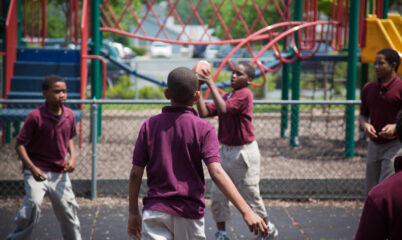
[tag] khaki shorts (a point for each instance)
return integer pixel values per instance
(242, 164)
(163, 226)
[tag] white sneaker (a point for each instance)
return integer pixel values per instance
(272, 234)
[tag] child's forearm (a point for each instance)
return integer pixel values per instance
(23, 155)
(225, 184)
(202, 108)
(219, 102)
(71, 149)
(134, 189)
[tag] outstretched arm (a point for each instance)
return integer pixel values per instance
(134, 215)
(222, 180)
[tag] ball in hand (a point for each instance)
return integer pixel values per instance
(201, 67)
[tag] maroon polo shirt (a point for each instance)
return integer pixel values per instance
(381, 104)
(235, 127)
(172, 146)
(46, 138)
(382, 213)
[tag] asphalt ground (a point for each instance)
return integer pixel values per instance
(106, 218)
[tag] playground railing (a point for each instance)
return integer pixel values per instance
(316, 168)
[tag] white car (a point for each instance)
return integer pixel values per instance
(161, 49)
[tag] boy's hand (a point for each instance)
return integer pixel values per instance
(387, 131)
(369, 131)
(204, 79)
(134, 226)
(38, 174)
(70, 165)
(256, 224)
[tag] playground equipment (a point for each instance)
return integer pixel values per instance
(295, 36)
(388, 34)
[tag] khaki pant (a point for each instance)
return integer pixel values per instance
(59, 189)
(380, 162)
(242, 164)
(163, 226)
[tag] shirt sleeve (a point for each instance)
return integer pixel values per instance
(140, 155)
(27, 131)
(212, 109)
(73, 132)
(364, 111)
(210, 146)
(372, 224)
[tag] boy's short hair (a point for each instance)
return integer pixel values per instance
(50, 80)
(181, 84)
(391, 56)
(248, 69)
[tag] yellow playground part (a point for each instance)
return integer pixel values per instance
(382, 33)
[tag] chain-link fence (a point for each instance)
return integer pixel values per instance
(315, 167)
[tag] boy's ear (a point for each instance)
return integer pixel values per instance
(197, 96)
(166, 92)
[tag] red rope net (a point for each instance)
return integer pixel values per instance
(233, 22)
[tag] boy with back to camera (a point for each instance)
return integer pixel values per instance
(239, 150)
(172, 146)
(45, 138)
(381, 102)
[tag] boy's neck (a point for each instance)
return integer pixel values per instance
(388, 78)
(55, 110)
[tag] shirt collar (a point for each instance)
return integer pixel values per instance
(47, 114)
(181, 108)
(384, 87)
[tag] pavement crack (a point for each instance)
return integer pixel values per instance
(91, 237)
(294, 223)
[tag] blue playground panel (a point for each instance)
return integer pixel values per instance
(32, 66)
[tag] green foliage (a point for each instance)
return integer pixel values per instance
(325, 6)
(184, 11)
(249, 14)
(56, 27)
(121, 90)
(260, 92)
(139, 50)
(148, 92)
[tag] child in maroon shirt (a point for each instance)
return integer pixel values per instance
(172, 146)
(381, 102)
(42, 144)
(239, 150)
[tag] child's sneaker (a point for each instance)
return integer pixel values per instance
(273, 233)
(221, 235)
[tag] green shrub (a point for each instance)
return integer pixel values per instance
(139, 50)
(148, 92)
(121, 90)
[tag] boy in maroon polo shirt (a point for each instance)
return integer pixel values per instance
(172, 146)
(239, 150)
(381, 102)
(382, 213)
(42, 144)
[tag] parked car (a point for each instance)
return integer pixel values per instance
(199, 51)
(160, 49)
(211, 51)
(240, 54)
